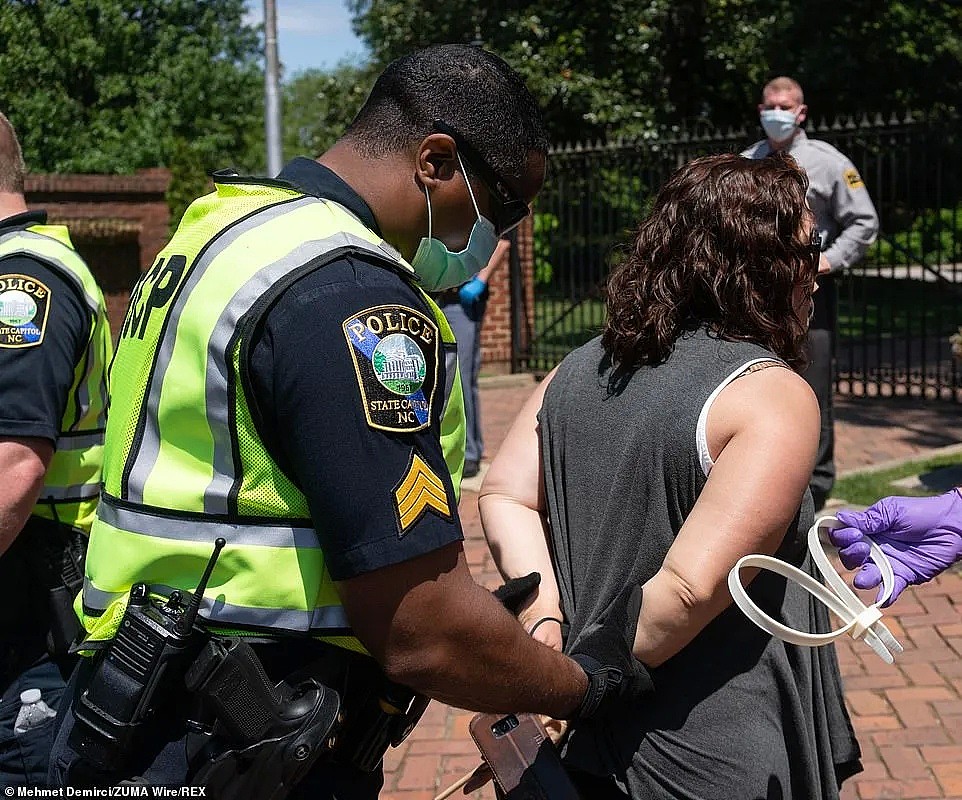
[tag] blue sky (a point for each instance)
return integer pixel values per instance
(310, 33)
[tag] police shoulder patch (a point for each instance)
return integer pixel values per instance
(419, 491)
(853, 179)
(24, 305)
(395, 352)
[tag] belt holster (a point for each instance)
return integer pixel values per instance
(67, 578)
(260, 739)
(378, 714)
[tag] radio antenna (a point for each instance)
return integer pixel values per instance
(186, 622)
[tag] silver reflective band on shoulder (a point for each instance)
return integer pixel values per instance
(83, 491)
(861, 621)
(319, 620)
(206, 530)
(81, 441)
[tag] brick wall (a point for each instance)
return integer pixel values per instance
(496, 329)
(118, 223)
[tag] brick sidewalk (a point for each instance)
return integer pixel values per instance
(908, 718)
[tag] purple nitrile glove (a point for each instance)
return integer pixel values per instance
(471, 292)
(920, 536)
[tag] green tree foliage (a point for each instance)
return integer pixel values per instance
(629, 67)
(112, 86)
(319, 104)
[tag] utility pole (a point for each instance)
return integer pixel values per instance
(272, 100)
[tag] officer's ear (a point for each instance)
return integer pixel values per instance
(436, 161)
(802, 113)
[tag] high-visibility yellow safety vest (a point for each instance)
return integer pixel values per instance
(184, 463)
(72, 481)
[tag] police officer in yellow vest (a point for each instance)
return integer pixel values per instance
(54, 348)
(284, 382)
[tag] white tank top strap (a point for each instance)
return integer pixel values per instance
(701, 437)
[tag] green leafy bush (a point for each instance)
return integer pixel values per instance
(544, 225)
(933, 237)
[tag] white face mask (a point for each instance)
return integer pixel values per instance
(441, 269)
(779, 125)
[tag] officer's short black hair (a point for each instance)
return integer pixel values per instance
(470, 89)
(11, 159)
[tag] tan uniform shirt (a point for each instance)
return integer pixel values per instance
(843, 209)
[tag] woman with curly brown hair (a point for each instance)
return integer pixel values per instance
(656, 456)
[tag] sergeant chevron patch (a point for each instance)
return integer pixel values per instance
(420, 490)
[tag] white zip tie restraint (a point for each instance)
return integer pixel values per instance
(861, 621)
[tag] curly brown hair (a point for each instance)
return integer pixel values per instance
(724, 247)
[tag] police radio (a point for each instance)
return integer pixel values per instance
(154, 645)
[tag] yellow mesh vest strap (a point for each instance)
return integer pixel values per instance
(453, 425)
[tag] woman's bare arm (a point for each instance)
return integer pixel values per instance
(763, 433)
(512, 514)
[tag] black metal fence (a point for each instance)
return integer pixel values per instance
(897, 309)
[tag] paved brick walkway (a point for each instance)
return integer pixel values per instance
(908, 717)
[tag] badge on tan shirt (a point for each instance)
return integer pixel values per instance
(853, 179)
(395, 352)
(24, 304)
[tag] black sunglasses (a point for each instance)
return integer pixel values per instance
(508, 210)
(815, 249)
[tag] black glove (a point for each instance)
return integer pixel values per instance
(615, 676)
(514, 592)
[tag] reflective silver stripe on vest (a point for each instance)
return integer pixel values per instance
(80, 441)
(146, 455)
(83, 390)
(206, 530)
(450, 370)
(83, 491)
(216, 496)
(331, 618)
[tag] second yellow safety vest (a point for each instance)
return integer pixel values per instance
(72, 481)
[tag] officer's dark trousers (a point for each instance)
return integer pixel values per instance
(821, 377)
(466, 326)
(165, 749)
(25, 662)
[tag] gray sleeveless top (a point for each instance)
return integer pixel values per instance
(736, 715)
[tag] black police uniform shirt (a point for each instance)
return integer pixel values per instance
(377, 497)
(35, 377)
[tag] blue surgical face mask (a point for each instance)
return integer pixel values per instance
(779, 125)
(439, 268)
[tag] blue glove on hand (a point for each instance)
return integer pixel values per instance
(920, 536)
(471, 292)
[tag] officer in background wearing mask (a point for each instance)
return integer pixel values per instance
(54, 350)
(284, 381)
(848, 223)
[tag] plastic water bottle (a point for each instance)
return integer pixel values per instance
(33, 712)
